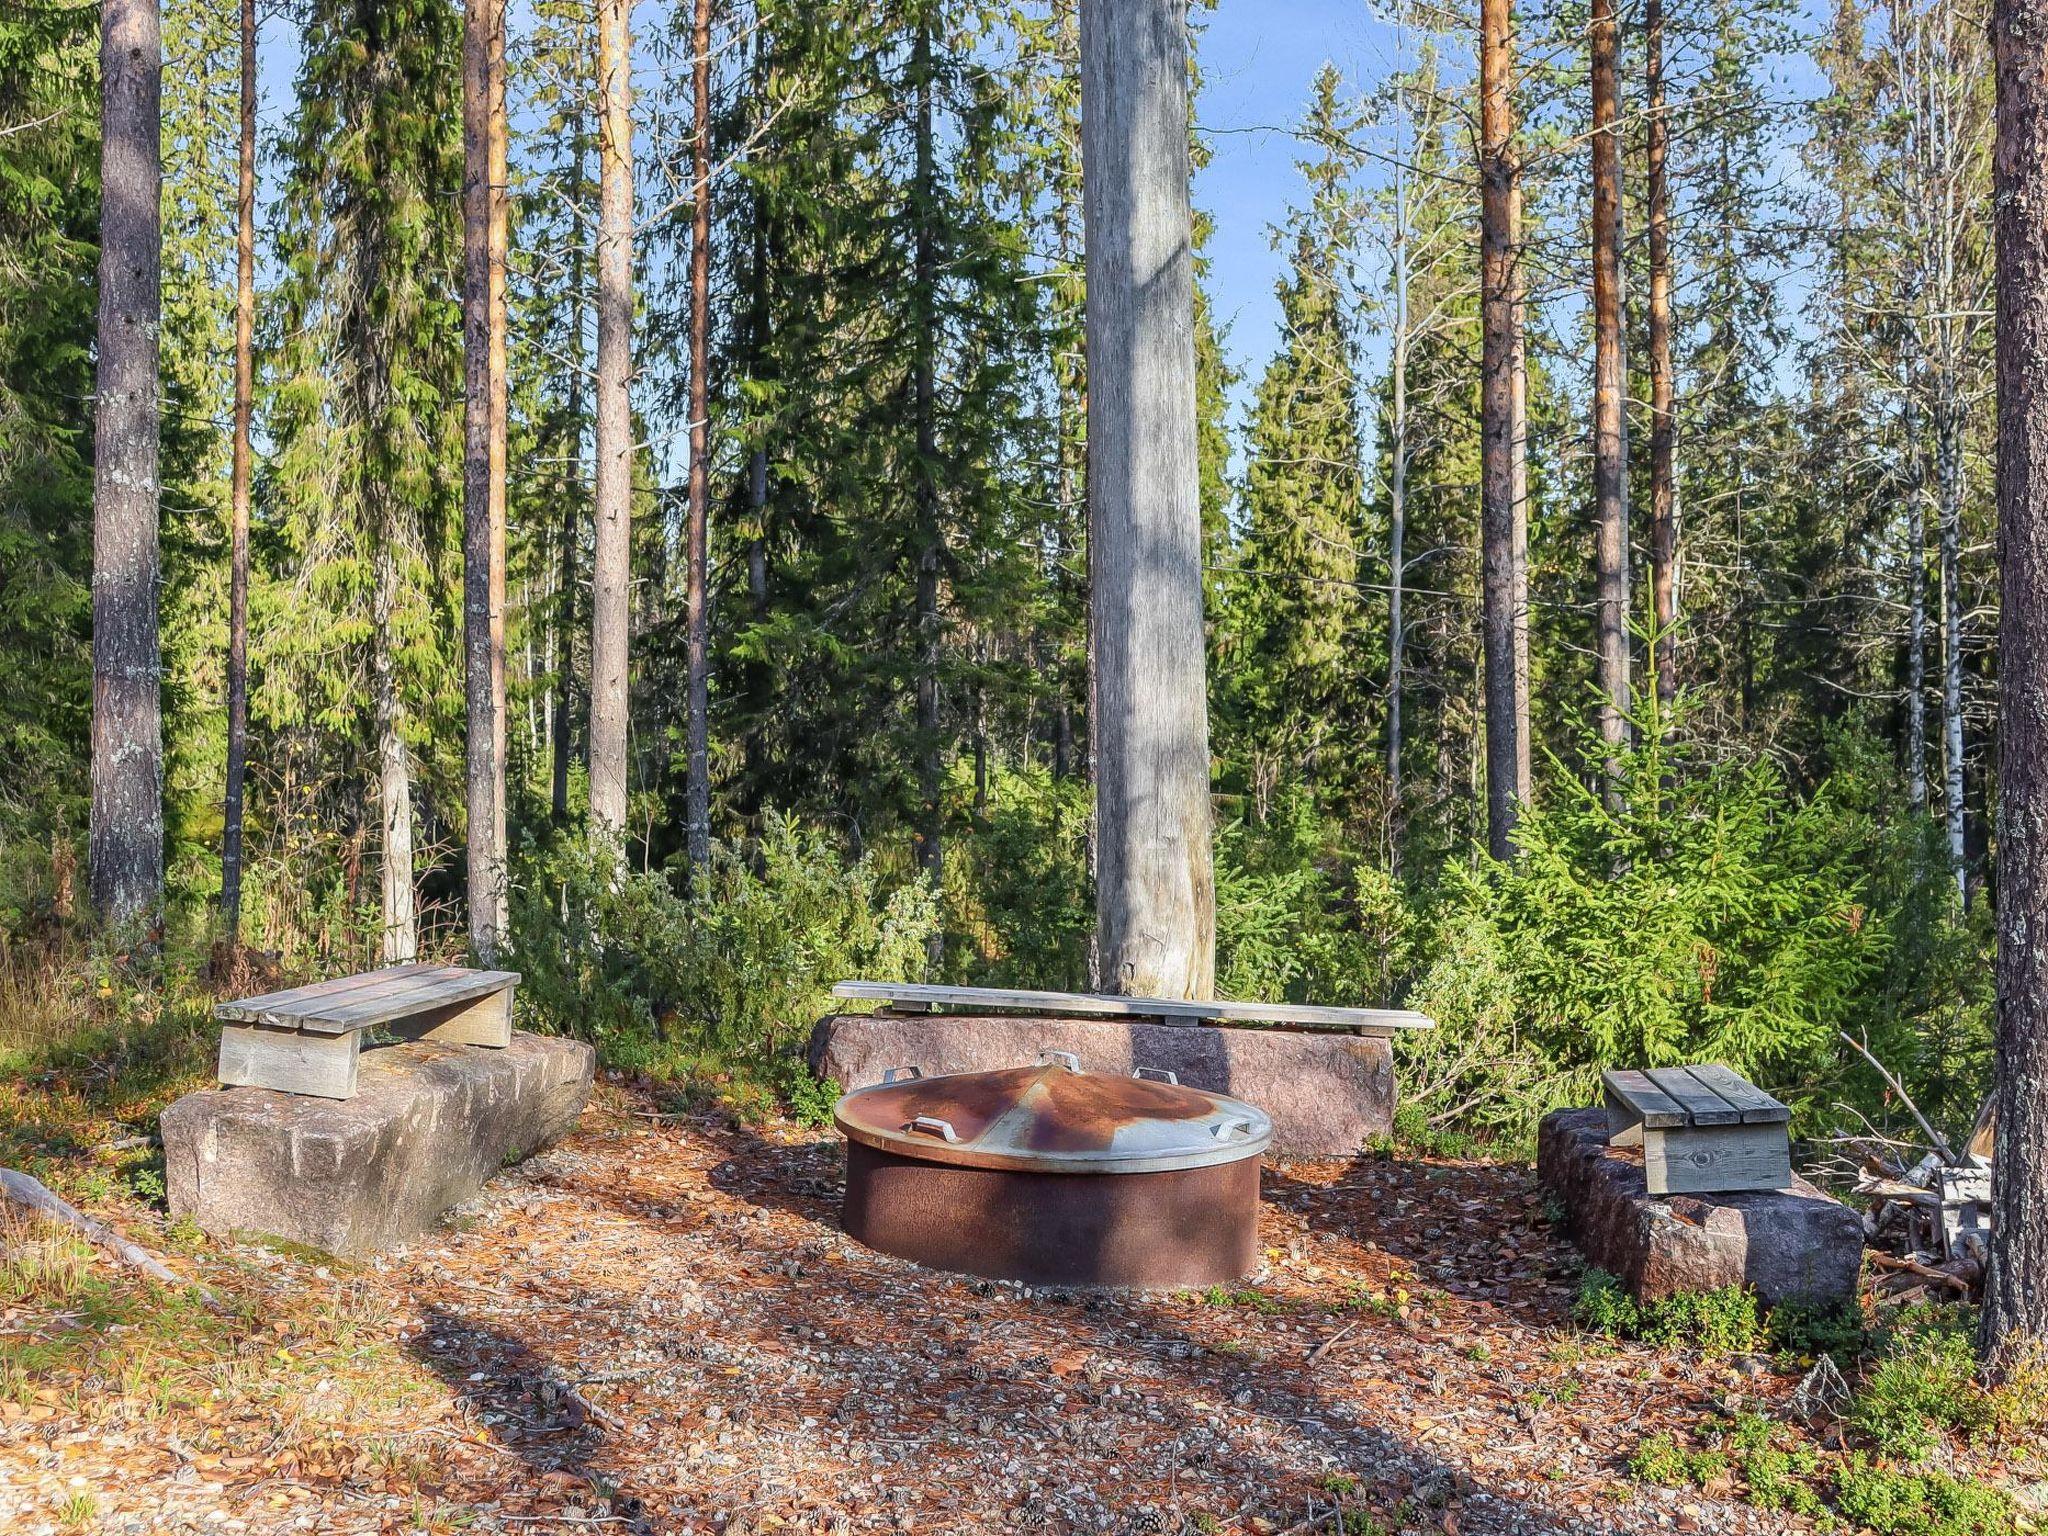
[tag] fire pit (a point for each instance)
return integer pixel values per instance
(1052, 1175)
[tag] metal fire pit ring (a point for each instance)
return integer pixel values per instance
(1052, 1175)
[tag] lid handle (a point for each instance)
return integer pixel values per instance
(1066, 1059)
(900, 1074)
(1224, 1130)
(936, 1126)
(1156, 1075)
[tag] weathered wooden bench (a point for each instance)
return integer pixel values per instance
(307, 1040)
(917, 997)
(1703, 1130)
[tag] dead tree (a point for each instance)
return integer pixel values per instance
(127, 824)
(2015, 1315)
(1149, 728)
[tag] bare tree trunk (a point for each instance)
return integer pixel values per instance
(1916, 605)
(2015, 1316)
(1518, 482)
(1663, 476)
(696, 610)
(611, 573)
(1610, 381)
(1397, 505)
(563, 746)
(484, 240)
(1496, 417)
(1948, 452)
(127, 823)
(238, 525)
(931, 548)
(1149, 727)
(401, 942)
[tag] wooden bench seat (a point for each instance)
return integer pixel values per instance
(905, 997)
(1703, 1130)
(307, 1039)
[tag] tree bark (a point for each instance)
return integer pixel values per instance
(2014, 1321)
(1149, 725)
(612, 555)
(563, 746)
(1916, 603)
(1518, 482)
(127, 821)
(401, 942)
(1663, 475)
(930, 537)
(1397, 501)
(1610, 381)
(484, 241)
(239, 477)
(696, 609)
(1496, 418)
(1948, 454)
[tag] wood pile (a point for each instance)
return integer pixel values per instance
(1928, 1223)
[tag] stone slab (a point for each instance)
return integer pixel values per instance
(1791, 1244)
(1326, 1094)
(428, 1124)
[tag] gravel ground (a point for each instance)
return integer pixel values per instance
(657, 1327)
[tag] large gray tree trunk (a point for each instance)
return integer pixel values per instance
(239, 479)
(484, 242)
(1155, 886)
(2015, 1316)
(127, 833)
(1518, 486)
(1610, 382)
(1497, 420)
(612, 548)
(401, 943)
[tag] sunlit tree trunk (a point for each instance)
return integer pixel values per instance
(1149, 723)
(127, 822)
(484, 243)
(1496, 419)
(612, 548)
(930, 540)
(1610, 379)
(2015, 1316)
(1663, 473)
(1518, 483)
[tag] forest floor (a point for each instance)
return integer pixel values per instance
(656, 1326)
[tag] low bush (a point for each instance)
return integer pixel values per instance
(1909, 1503)
(1725, 1321)
(1663, 1460)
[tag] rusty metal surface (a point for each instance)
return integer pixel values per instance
(1052, 1118)
(1182, 1227)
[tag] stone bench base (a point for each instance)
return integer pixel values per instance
(429, 1123)
(1326, 1093)
(1790, 1244)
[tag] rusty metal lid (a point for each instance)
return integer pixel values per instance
(1053, 1118)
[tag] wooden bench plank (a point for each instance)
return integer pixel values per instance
(407, 999)
(380, 997)
(1645, 1101)
(1169, 1010)
(314, 994)
(1701, 1104)
(1757, 1107)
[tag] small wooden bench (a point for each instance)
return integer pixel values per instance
(306, 1040)
(917, 997)
(1703, 1130)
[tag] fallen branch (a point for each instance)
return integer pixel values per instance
(29, 1194)
(1963, 1281)
(1939, 1141)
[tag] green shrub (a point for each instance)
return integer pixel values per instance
(1661, 1459)
(1725, 1321)
(1813, 1328)
(725, 980)
(1924, 1384)
(1904, 1503)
